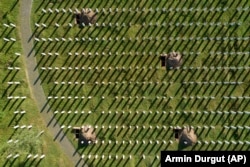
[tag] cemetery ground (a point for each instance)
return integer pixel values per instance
(22, 112)
(108, 75)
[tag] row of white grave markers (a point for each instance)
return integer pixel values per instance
(10, 25)
(157, 127)
(69, 97)
(56, 10)
(123, 156)
(144, 68)
(16, 97)
(141, 53)
(116, 53)
(43, 25)
(112, 83)
(36, 156)
(167, 142)
(217, 83)
(14, 83)
(13, 156)
(153, 112)
(229, 53)
(147, 97)
(115, 10)
(96, 156)
(144, 24)
(9, 39)
(13, 68)
(224, 142)
(208, 112)
(141, 39)
(236, 97)
(237, 127)
(131, 142)
(22, 126)
(19, 112)
(75, 112)
(96, 68)
(122, 53)
(50, 54)
(146, 83)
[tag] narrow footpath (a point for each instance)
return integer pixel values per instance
(35, 85)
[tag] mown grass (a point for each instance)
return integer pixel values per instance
(154, 83)
(9, 13)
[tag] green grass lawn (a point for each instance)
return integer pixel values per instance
(9, 13)
(130, 78)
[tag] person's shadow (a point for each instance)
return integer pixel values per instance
(182, 146)
(82, 142)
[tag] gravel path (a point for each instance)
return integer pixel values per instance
(35, 85)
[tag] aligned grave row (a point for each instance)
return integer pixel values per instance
(156, 24)
(246, 53)
(143, 39)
